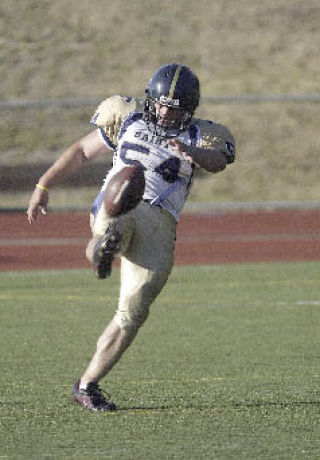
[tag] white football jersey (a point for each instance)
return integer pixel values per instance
(168, 175)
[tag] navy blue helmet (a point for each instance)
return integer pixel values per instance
(173, 85)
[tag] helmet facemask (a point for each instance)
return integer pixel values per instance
(162, 126)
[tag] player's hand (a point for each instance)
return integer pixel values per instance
(38, 201)
(181, 148)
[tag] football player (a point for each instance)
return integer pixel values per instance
(162, 135)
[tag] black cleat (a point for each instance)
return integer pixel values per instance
(105, 250)
(92, 398)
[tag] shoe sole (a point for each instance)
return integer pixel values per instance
(109, 246)
(112, 407)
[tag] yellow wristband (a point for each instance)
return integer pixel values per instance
(42, 187)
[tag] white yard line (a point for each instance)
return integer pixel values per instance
(43, 241)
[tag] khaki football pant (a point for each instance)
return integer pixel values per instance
(147, 247)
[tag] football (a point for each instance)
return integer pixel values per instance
(124, 190)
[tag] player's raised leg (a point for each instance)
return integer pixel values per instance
(111, 236)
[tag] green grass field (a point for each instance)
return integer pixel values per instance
(227, 366)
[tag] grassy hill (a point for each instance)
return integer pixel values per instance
(76, 49)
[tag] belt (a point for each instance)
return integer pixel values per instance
(159, 206)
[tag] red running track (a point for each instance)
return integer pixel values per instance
(58, 240)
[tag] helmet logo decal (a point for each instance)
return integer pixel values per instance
(174, 81)
(167, 100)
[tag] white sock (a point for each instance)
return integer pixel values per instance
(83, 386)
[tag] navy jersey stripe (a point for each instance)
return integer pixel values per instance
(96, 205)
(128, 121)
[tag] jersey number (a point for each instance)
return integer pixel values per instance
(169, 168)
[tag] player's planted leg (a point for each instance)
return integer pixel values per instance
(110, 346)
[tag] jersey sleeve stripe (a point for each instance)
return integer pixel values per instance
(106, 139)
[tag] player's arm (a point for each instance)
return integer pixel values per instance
(215, 150)
(70, 162)
(75, 157)
(107, 118)
(211, 160)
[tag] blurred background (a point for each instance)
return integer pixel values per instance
(258, 63)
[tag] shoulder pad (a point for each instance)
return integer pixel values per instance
(218, 137)
(111, 113)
